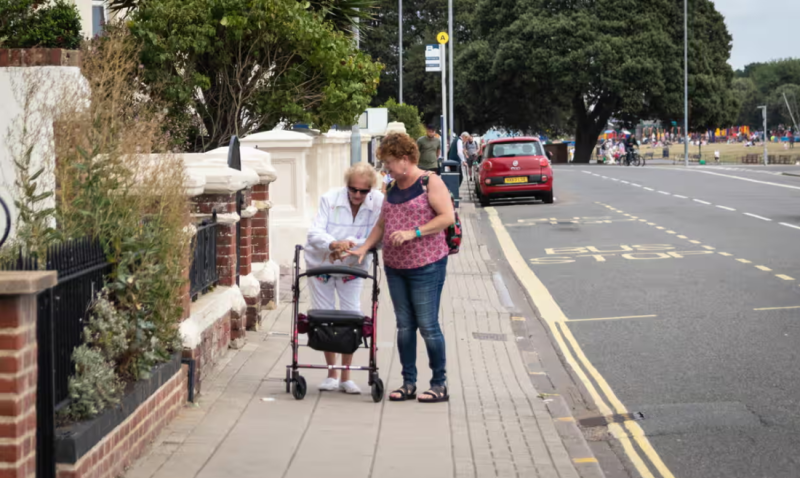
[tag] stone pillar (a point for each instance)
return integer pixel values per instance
(365, 140)
(18, 369)
(290, 213)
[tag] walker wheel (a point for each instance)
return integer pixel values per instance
(299, 388)
(377, 390)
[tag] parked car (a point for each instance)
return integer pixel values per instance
(514, 167)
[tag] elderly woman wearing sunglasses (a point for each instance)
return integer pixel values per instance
(345, 219)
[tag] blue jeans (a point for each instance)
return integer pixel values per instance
(416, 294)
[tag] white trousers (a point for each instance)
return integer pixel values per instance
(323, 294)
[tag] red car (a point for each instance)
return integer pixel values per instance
(514, 167)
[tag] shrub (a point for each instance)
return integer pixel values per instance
(408, 115)
(32, 23)
(103, 130)
(94, 387)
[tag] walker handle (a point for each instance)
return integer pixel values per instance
(337, 270)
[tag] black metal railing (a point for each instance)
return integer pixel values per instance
(62, 314)
(203, 274)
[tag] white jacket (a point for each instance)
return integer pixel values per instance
(334, 222)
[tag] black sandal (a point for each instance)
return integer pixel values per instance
(407, 392)
(437, 394)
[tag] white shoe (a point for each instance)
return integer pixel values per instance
(329, 384)
(350, 387)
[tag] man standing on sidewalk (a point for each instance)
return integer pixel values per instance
(429, 150)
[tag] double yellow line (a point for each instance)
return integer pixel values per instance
(557, 322)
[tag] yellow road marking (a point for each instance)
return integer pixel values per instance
(568, 419)
(744, 261)
(709, 248)
(682, 237)
(628, 215)
(671, 232)
(764, 268)
(651, 224)
(661, 227)
(784, 277)
(585, 460)
(642, 220)
(555, 319)
(725, 254)
(695, 242)
(536, 373)
(780, 308)
(518, 319)
(612, 318)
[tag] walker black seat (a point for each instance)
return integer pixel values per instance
(334, 317)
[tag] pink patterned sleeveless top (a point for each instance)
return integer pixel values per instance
(403, 210)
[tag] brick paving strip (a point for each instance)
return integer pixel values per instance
(495, 425)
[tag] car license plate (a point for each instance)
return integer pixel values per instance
(516, 180)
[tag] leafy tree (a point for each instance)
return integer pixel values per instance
(233, 67)
(553, 63)
(29, 24)
(749, 99)
(777, 111)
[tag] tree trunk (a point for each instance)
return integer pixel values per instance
(588, 129)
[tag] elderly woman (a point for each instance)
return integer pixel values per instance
(345, 219)
(415, 214)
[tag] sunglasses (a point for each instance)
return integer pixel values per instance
(356, 191)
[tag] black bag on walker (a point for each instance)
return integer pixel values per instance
(335, 331)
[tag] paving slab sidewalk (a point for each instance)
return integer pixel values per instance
(245, 425)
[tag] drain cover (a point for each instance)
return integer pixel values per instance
(487, 336)
(603, 421)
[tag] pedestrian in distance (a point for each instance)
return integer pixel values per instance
(417, 210)
(346, 217)
(456, 154)
(430, 149)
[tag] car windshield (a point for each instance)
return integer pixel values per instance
(511, 150)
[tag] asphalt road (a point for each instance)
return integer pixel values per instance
(690, 278)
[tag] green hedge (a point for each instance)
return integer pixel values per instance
(406, 114)
(31, 23)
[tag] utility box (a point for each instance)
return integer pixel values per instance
(450, 177)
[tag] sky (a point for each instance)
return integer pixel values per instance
(762, 30)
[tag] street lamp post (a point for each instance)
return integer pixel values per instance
(400, 50)
(764, 114)
(685, 83)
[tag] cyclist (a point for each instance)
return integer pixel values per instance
(630, 143)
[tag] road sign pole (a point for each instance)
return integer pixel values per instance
(450, 41)
(445, 137)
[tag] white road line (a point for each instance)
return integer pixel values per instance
(749, 180)
(636, 185)
(664, 192)
(625, 182)
(757, 217)
(650, 189)
(702, 202)
(679, 196)
(726, 208)
(784, 277)
(709, 248)
(614, 179)
(764, 268)
(790, 225)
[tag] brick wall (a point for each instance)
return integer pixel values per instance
(110, 457)
(39, 57)
(18, 386)
(214, 342)
(260, 224)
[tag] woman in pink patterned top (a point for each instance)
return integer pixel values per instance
(415, 213)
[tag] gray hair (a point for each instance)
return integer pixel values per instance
(364, 170)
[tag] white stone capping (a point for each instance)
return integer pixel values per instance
(207, 310)
(228, 218)
(278, 139)
(195, 184)
(249, 212)
(249, 285)
(262, 205)
(266, 272)
(253, 158)
(220, 179)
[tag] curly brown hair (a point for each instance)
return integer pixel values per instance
(397, 145)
